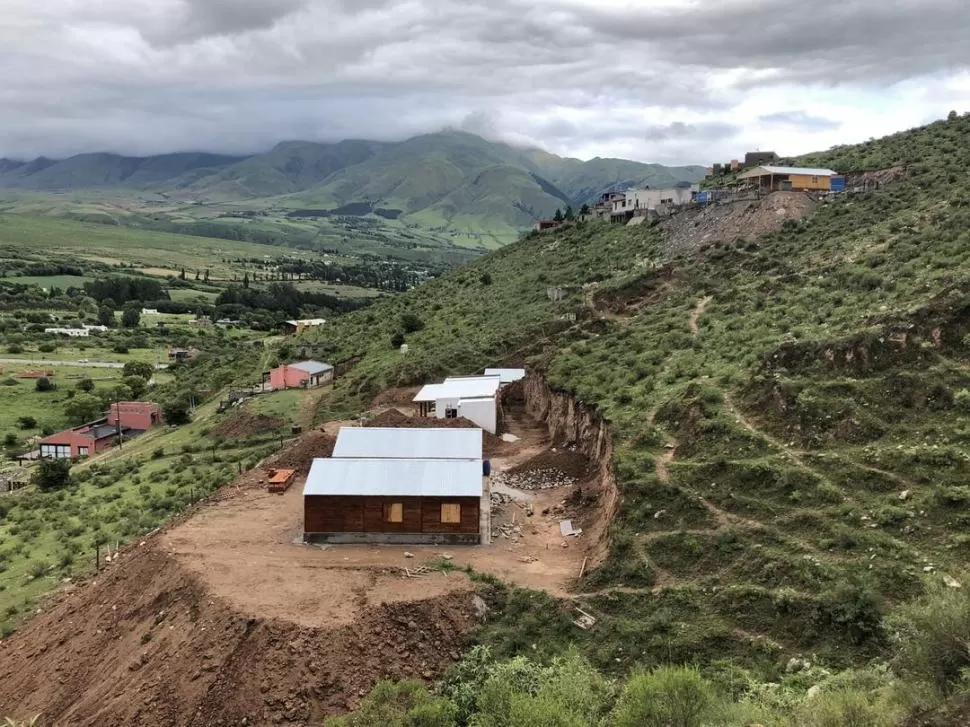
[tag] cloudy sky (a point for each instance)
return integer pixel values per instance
(672, 81)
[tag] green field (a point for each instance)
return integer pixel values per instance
(51, 281)
(128, 247)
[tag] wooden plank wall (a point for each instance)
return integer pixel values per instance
(349, 514)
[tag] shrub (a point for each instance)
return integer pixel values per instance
(138, 368)
(85, 385)
(15, 348)
(411, 323)
(44, 384)
(52, 474)
(177, 411)
(120, 348)
(47, 347)
(934, 632)
(962, 400)
(397, 339)
(26, 422)
(665, 697)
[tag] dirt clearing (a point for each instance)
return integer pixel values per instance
(242, 424)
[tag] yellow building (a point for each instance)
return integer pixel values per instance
(795, 179)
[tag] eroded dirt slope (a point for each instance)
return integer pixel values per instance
(146, 643)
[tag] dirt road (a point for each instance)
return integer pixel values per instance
(84, 364)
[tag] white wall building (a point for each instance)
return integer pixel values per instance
(471, 397)
(72, 332)
(506, 376)
(650, 199)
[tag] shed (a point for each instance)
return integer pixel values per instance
(360, 500)
(418, 443)
(300, 375)
(794, 179)
(472, 397)
(506, 376)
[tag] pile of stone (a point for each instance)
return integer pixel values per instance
(499, 501)
(540, 479)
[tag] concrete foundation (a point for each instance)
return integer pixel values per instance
(394, 538)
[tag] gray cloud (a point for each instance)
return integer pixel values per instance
(799, 118)
(660, 82)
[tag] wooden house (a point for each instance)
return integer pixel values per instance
(789, 179)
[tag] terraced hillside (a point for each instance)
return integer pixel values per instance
(790, 414)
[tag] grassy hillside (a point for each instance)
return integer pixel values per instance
(818, 416)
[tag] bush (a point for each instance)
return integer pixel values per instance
(47, 347)
(27, 422)
(138, 368)
(934, 633)
(52, 474)
(485, 278)
(44, 384)
(411, 323)
(397, 339)
(962, 400)
(120, 348)
(15, 348)
(177, 411)
(664, 697)
(85, 385)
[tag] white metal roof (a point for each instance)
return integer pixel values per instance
(762, 170)
(311, 367)
(390, 443)
(395, 477)
(460, 388)
(506, 376)
(307, 321)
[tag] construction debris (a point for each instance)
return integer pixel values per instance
(419, 572)
(541, 479)
(585, 620)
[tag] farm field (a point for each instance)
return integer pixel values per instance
(130, 247)
(51, 281)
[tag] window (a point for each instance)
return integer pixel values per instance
(393, 512)
(82, 451)
(450, 513)
(815, 180)
(55, 451)
(451, 413)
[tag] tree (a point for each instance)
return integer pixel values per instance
(397, 339)
(205, 276)
(131, 316)
(177, 411)
(83, 408)
(44, 384)
(138, 368)
(196, 274)
(52, 474)
(182, 274)
(665, 697)
(85, 385)
(584, 210)
(245, 280)
(558, 216)
(106, 315)
(137, 385)
(569, 212)
(10, 441)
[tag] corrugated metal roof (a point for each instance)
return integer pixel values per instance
(311, 367)
(762, 170)
(307, 321)
(395, 477)
(506, 376)
(389, 443)
(466, 388)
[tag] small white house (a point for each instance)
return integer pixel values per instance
(72, 332)
(470, 397)
(149, 311)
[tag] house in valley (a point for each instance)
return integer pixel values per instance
(124, 419)
(300, 375)
(295, 326)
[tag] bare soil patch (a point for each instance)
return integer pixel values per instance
(300, 455)
(241, 424)
(570, 463)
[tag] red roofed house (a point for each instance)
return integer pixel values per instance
(129, 418)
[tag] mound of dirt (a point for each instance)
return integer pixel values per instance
(572, 464)
(300, 455)
(242, 424)
(725, 223)
(145, 644)
(491, 445)
(396, 397)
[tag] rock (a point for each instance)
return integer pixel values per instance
(951, 582)
(408, 555)
(928, 569)
(813, 691)
(659, 514)
(796, 665)
(904, 495)
(447, 556)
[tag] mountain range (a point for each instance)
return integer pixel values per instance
(444, 180)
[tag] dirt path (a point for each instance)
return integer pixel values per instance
(783, 448)
(697, 313)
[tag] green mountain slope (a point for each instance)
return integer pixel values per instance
(106, 170)
(291, 166)
(585, 181)
(813, 386)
